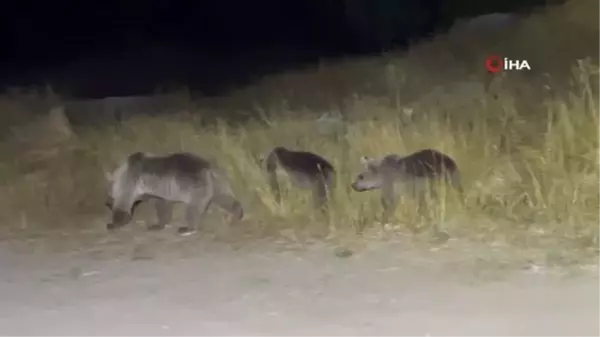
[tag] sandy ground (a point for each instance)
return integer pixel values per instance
(264, 290)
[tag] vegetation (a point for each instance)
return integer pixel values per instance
(528, 146)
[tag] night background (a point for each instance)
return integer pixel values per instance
(113, 48)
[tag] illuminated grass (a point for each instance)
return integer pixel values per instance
(529, 164)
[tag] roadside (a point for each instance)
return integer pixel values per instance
(223, 289)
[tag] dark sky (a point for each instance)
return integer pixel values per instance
(67, 42)
(46, 31)
(41, 38)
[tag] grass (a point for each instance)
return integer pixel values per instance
(529, 160)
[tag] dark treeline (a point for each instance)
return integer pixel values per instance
(42, 34)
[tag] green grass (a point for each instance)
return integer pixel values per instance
(529, 161)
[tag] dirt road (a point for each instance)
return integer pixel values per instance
(263, 291)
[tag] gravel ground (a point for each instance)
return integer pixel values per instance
(220, 290)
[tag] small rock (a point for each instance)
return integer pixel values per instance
(441, 237)
(343, 252)
(142, 252)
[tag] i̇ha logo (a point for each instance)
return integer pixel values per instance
(495, 63)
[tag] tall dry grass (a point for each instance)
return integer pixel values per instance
(529, 159)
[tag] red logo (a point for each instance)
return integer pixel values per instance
(493, 63)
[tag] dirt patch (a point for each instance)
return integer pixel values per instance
(384, 287)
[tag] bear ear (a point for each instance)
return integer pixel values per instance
(370, 163)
